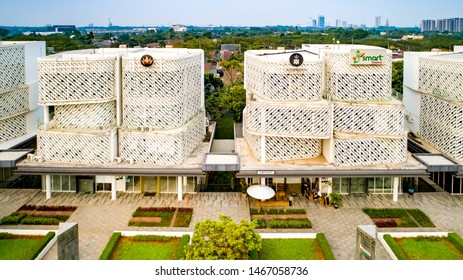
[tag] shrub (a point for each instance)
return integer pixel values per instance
(155, 209)
(108, 250)
(456, 240)
(325, 246)
(394, 247)
(13, 219)
(183, 219)
(421, 218)
(37, 220)
(181, 246)
(260, 223)
(285, 211)
(256, 211)
(50, 235)
(386, 223)
(253, 255)
(6, 235)
(152, 238)
(290, 223)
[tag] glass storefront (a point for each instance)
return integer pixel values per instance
(62, 183)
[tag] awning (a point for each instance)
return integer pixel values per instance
(437, 162)
(221, 162)
(8, 158)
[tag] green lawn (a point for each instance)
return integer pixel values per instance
(290, 249)
(225, 128)
(18, 249)
(128, 249)
(429, 248)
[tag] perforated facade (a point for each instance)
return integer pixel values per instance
(293, 111)
(433, 87)
(120, 108)
(19, 110)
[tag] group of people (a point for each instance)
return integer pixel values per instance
(311, 190)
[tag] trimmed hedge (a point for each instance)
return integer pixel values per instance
(187, 210)
(154, 238)
(260, 223)
(388, 222)
(155, 209)
(421, 218)
(274, 211)
(6, 235)
(325, 246)
(184, 241)
(50, 235)
(290, 223)
(394, 247)
(108, 250)
(152, 214)
(35, 220)
(13, 219)
(256, 211)
(456, 240)
(47, 208)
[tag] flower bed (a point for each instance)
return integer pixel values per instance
(161, 217)
(39, 215)
(280, 218)
(391, 217)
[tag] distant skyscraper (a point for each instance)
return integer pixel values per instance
(454, 25)
(321, 21)
(314, 23)
(377, 21)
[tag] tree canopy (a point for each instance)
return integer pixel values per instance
(223, 240)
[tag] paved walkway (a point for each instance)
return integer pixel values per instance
(98, 216)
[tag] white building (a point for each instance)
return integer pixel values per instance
(433, 97)
(327, 116)
(19, 110)
(122, 117)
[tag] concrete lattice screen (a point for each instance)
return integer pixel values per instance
(295, 108)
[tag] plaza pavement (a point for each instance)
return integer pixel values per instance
(98, 216)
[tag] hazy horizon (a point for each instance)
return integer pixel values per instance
(235, 13)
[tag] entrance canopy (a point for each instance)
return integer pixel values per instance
(261, 192)
(438, 163)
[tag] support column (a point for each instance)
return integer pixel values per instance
(158, 185)
(46, 117)
(113, 189)
(395, 189)
(262, 181)
(48, 186)
(142, 186)
(184, 182)
(179, 188)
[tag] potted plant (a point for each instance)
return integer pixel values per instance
(336, 199)
(244, 188)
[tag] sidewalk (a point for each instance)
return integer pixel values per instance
(98, 216)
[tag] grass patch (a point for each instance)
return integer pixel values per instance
(429, 248)
(181, 246)
(23, 247)
(224, 128)
(129, 248)
(183, 217)
(290, 249)
(391, 217)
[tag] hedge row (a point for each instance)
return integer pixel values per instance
(325, 246)
(108, 250)
(155, 209)
(394, 247)
(260, 223)
(6, 235)
(153, 238)
(285, 211)
(184, 241)
(290, 223)
(50, 235)
(47, 208)
(456, 240)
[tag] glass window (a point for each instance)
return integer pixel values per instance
(387, 185)
(65, 183)
(56, 182)
(371, 185)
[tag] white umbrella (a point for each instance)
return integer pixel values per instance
(261, 192)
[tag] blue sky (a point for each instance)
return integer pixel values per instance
(232, 12)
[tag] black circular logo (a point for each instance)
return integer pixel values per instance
(146, 60)
(296, 59)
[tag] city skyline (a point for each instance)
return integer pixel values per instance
(204, 13)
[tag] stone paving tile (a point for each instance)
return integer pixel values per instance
(98, 216)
